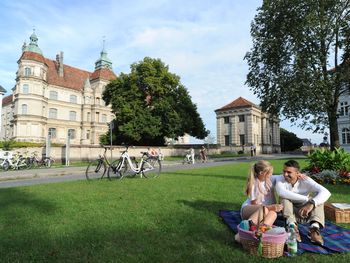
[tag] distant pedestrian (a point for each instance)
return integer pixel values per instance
(254, 149)
(203, 154)
(251, 151)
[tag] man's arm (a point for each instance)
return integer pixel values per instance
(283, 192)
(322, 193)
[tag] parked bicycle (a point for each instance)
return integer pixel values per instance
(149, 166)
(35, 161)
(15, 161)
(96, 169)
(5, 157)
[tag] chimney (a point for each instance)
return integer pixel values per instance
(60, 64)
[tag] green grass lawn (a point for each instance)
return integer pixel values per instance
(169, 219)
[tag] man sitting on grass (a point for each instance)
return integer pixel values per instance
(306, 203)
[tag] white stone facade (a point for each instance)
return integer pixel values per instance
(344, 121)
(52, 98)
(241, 124)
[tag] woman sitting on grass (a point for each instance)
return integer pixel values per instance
(260, 194)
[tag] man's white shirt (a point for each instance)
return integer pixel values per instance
(302, 191)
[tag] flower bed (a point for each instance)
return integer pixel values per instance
(329, 167)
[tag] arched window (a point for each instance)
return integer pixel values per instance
(53, 95)
(73, 99)
(24, 108)
(72, 115)
(25, 89)
(345, 134)
(53, 113)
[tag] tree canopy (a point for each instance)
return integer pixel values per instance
(289, 141)
(150, 103)
(298, 61)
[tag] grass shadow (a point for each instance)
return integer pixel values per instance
(224, 176)
(211, 206)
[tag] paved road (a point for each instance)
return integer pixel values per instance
(53, 175)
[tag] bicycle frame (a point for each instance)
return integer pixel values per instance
(126, 158)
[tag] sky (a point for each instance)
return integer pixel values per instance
(202, 41)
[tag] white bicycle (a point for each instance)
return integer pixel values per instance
(149, 166)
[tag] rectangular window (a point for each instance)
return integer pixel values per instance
(72, 115)
(53, 95)
(104, 118)
(52, 132)
(27, 72)
(88, 116)
(25, 89)
(226, 119)
(227, 140)
(71, 133)
(73, 99)
(53, 113)
(97, 119)
(88, 134)
(344, 109)
(242, 139)
(241, 118)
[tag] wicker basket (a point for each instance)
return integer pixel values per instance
(336, 214)
(272, 245)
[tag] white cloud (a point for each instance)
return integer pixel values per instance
(202, 41)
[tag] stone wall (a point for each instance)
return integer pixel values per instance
(86, 153)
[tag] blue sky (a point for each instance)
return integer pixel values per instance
(202, 41)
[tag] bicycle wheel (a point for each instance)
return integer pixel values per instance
(6, 165)
(115, 169)
(151, 167)
(95, 170)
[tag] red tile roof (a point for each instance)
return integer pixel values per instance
(103, 74)
(32, 56)
(7, 100)
(238, 103)
(73, 78)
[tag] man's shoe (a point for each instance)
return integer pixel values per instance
(315, 236)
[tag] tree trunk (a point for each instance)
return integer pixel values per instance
(333, 129)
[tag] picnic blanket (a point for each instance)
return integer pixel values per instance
(336, 238)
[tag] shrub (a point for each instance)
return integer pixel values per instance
(324, 159)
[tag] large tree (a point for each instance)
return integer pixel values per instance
(150, 103)
(298, 59)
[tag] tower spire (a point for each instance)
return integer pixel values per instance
(103, 61)
(33, 45)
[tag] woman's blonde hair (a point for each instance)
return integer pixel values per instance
(255, 170)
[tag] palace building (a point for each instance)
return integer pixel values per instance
(53, 99)
(241, 125)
